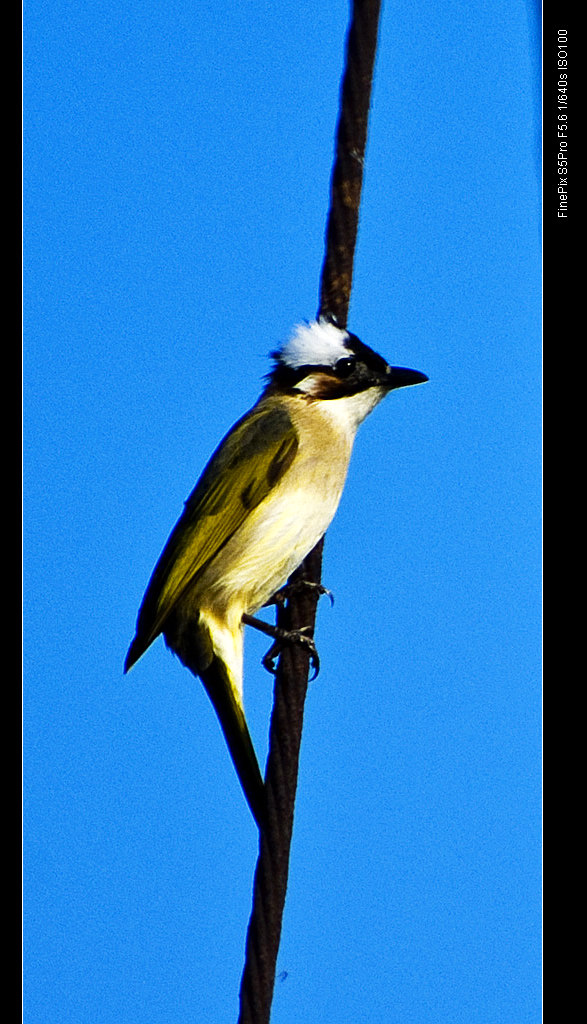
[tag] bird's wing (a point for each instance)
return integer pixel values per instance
(243, 470)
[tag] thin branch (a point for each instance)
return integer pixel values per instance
(291, 681)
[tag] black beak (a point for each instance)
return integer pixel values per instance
(401, 377)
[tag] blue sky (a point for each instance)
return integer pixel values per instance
(177, 164)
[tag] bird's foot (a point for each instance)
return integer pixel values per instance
(281, 637)
(291, 636)
(295, 587)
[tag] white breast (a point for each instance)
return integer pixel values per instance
(278, 534)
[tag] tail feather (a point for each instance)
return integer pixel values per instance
(236, 733)
(195, 649)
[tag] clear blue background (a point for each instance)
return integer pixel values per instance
(177, 169)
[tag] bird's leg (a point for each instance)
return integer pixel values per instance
(281, 637)
(294, 587)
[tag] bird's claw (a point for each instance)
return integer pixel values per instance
(292, 636)
(295, 586)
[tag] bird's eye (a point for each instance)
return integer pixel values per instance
(345, 367)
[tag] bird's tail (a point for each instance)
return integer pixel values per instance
(228, 707)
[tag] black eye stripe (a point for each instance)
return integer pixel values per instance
(355, 364)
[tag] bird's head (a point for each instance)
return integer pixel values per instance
(324, 362)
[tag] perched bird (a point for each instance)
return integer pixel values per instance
(264, 500)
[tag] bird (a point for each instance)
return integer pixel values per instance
(264, 500)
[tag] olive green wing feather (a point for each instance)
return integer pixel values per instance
(243, 470)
